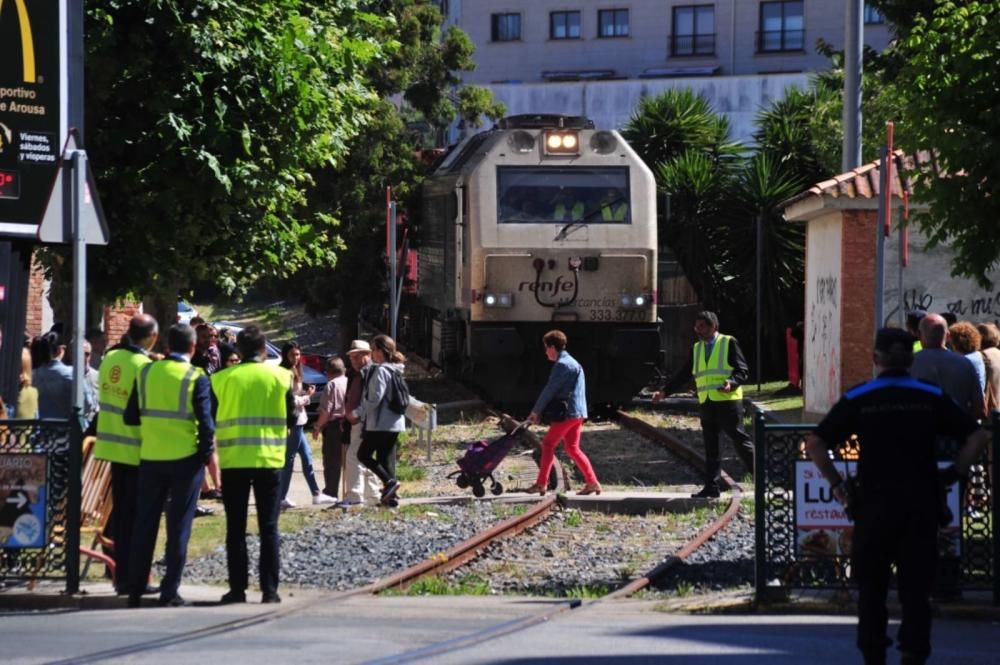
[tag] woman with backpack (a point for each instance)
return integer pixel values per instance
(382, 423)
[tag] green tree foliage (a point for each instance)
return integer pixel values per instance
(947, 72)
(424, 71)
(718, 191)
(206, 122)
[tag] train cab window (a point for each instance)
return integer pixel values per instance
(539, 195)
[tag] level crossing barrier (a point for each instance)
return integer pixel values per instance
(40, 463)
(803, 537)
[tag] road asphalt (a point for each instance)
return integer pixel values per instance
(312, 627)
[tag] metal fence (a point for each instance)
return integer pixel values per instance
(790, 555)
(40, 501)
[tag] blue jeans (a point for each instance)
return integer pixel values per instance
(297, 443)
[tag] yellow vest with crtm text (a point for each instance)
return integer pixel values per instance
(116, 441)
(251, 422)
(169, 427)
(712, 373)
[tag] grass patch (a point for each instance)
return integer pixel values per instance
(773, 396)
(503, 511)
(684, 589)
(587, 591)
(626, 572)
(412, 512)
(574, 518)
(408, 473)
(470, 585)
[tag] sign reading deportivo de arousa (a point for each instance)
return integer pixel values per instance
(32, 119)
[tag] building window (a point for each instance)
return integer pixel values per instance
(694, 30)
(612, 23)
(506, 27)
(782, 27)
(564, 25)
(872, 15)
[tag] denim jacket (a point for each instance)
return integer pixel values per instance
(566, 381)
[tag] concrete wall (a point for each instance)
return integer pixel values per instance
(927, 282)
(648, 44)
(821, 380)
(610, 104)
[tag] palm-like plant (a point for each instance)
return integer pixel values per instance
(717, 192)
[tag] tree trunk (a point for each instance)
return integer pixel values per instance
(161, 305)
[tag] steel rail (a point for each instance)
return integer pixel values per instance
(437, 564)
(655, 574)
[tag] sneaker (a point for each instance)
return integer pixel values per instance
(321, 499)
(390, 489)
(214, 495)
(233, 597)
(347, 503)
(271, 597)
(707, 492)
(175, 601)
(288, 503)
(203, 511)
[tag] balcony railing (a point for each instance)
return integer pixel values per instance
(681, 45)
(775, 41)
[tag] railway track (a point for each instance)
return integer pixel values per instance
(451, 559)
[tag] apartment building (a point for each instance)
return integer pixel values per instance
(523, 41)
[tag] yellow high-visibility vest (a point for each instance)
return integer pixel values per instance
(251, 421)
(116, 441)
(614, 212)
(169, 427)
(564, 214)
(712, 373)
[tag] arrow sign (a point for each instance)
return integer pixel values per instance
(74, 186)
(20, 500)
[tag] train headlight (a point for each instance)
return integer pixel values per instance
(562, 143)
(634, 301)
(498, 300)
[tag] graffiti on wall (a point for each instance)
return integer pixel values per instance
(977, 307)
(823, 344)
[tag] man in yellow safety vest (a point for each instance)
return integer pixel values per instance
(117, 442)
(719, 369)
(172, 405)
(255, 402)
(614, 207)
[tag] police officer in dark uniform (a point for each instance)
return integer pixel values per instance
(897, 419)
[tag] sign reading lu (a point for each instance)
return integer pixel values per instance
(33, 109)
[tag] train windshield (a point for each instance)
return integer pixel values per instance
(588, 195)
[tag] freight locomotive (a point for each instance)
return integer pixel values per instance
(542, 222)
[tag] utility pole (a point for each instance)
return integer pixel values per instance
(853, 42)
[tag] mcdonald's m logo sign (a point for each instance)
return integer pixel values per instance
(27, 39)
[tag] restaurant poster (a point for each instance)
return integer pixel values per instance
(822, 528)
(22, 500)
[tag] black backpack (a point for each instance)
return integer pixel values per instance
(397, 393)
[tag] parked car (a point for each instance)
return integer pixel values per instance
(310, 376)
(185, 312)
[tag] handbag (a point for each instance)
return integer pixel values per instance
(555, 411)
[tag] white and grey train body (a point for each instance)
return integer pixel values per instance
(541, 223)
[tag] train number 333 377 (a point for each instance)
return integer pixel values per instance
(616, 315)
